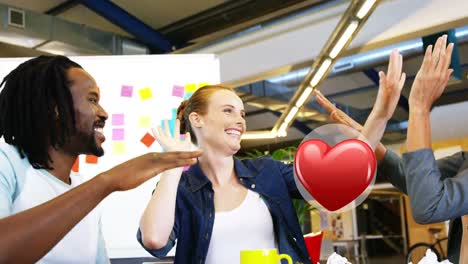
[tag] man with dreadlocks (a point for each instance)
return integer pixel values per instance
(50, 114)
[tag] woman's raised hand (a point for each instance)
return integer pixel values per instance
(169, 142)
(390, 86)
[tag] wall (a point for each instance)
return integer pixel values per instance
(137, 92)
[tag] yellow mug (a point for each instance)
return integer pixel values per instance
(262, 256)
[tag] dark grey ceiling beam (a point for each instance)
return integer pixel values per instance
(61, 8)
(157, 42)
(232, 17)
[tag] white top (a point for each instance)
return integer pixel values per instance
(23, 187)
(248, 226)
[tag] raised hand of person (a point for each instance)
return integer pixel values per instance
(390, 86)
(341, 117)
(429, 84)
(169, 142)
(432, 77)
(336, 114)
(134, 172)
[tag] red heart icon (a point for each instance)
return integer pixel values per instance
(335, 176)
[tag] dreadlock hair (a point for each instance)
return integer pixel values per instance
(36, 108)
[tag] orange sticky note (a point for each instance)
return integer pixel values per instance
(147, 140)
(76, 165)
(190, 88)
(145, 93)
(91, 159)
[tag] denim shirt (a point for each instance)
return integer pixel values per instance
(194, 214)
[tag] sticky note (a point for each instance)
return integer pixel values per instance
(118, 148)
(118, 134)
(191, 87)
(178, 91)
(146, 94)
(118, 119)
(203, 84)
(147, 140)
(187, 95)
(76, 165)
(91, 159)
(126, 91)
(144, 121)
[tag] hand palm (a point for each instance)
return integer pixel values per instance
(390, 86)
(169, 142)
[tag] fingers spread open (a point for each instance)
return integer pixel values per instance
(436, 52)
(448, 54)
(177, 129)
(427, 61)
(187, 138)
(325, 103)
(167, 130)
(382, 79)
(402, 81)
(392, 64)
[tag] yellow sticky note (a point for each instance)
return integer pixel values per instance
(144, 121)
(118, 148)
(192, 87)
(145, 93)
(203, 84)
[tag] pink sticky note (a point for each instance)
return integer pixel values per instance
(118, 134)
(126, 91)
(118, 119)
(178, 91)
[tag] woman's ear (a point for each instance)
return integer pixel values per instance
(196, 120)
(56, 113)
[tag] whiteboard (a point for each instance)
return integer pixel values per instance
(137, 92)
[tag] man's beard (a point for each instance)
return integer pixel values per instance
(90, 144)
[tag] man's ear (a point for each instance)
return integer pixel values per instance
(196, 120)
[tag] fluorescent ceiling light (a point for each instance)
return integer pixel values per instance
(22, 40)
(62, 48)
(321, 71)
(365, 8)
(343, 39)
(258, 135)
(304, 96)
(282, 130)
(291, 114)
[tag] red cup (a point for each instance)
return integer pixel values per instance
(313, 243)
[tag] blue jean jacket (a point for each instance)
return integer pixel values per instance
(194, 215)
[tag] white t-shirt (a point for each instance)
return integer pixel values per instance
(248, 226)
(23, 187)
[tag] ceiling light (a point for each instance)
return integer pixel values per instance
(291, 114)
(343, 39)
(304, 96)
(321, 71)
(365, 8)
(282, 130)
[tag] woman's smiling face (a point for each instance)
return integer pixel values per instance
(223, 124)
